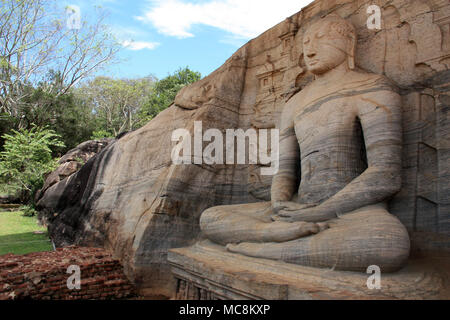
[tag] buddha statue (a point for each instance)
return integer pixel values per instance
(340, 163)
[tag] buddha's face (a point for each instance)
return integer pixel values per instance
(324, 49)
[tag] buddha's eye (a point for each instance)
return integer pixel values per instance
(306, 41)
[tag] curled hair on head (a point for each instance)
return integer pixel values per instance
(340, 25)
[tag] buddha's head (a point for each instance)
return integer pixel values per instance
(329, 43)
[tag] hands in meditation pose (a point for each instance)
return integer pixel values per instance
(343, 134)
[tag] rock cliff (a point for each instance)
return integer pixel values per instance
(131, 198)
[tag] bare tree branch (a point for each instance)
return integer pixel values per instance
(35, 43)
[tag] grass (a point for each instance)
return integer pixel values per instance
(22, 235)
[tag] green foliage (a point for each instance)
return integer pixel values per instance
(116, 103)
(67, 114)
(26, 157)
(80, 161)
(100, 134)
(28, 210)
(101, 108)
(7, 123)
(165, 92)
(121, 105)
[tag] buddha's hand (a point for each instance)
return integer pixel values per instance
(293, 212)
(289, 206)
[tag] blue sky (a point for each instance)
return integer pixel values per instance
(160, 36)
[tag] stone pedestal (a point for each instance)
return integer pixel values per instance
(207, 271)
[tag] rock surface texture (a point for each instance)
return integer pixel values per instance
(72, 161)
(131, 198)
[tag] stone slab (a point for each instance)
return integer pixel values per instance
(207, 271)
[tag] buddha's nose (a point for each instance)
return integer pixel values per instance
(311, 50)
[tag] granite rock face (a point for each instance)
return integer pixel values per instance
(131, 198)
(72, 161)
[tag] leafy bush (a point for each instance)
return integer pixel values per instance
(27, 156)
(165, 91)
(28, 211)
(100, 134)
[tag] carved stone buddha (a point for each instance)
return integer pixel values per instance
(340, 162)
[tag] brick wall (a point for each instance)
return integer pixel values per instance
(43, 276)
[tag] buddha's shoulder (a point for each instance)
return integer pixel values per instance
(374, 90)
(365, 79)
(296, 100)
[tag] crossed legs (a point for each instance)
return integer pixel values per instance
(357, 240)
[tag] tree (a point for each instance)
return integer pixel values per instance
(35, 42)
(67, 114)
(27, 156)
(116, 102)
(165, 91)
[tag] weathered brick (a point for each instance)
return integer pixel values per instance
(43, 275)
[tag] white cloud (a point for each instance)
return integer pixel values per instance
(139, 45)
(123, 33)
(242, 18)
(133, 38)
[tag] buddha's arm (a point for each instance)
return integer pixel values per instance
(380, 116)
(285, 181)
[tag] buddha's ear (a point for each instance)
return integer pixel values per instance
(302, 64)
(351, 52)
